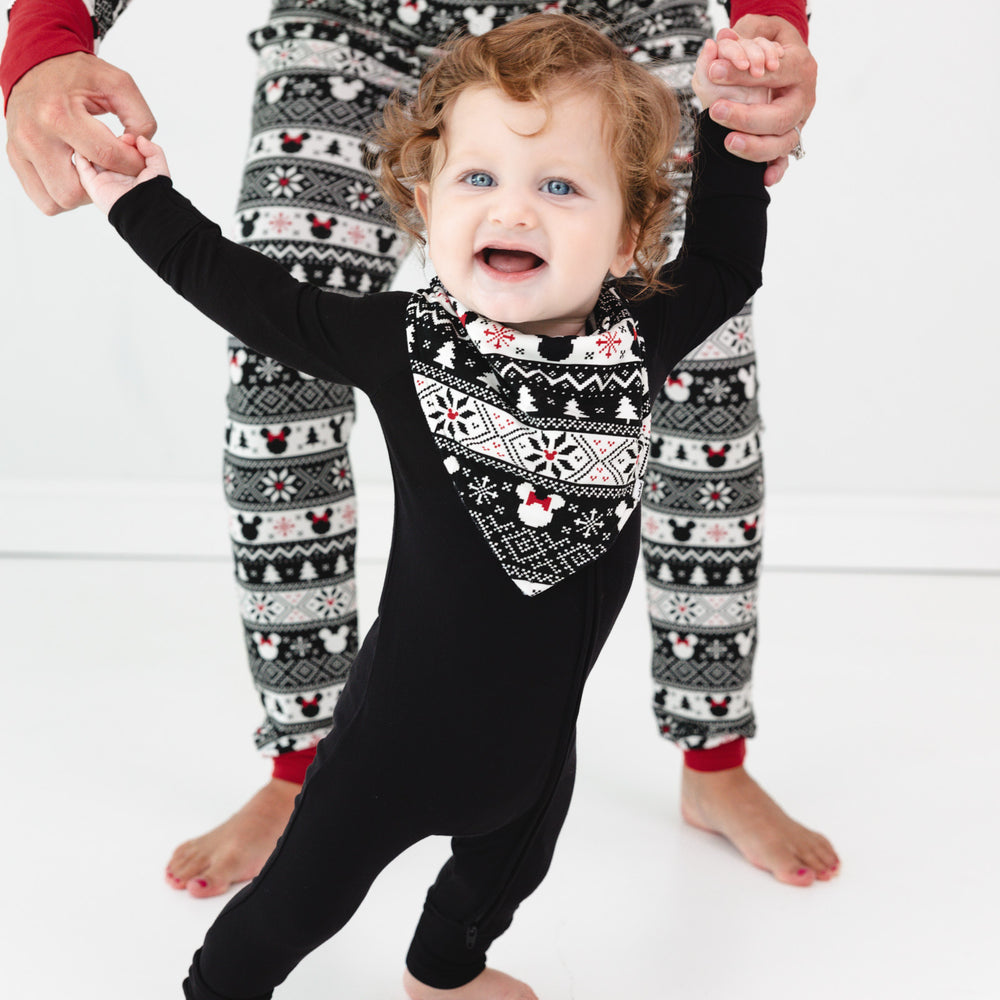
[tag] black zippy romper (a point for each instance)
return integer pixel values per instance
(460, 711)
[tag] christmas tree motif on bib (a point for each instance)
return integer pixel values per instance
(545, 438)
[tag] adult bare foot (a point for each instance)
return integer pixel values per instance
(732, 804)
(488, 985)
(236, 850)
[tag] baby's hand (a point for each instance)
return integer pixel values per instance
(105, 187)
(755, 55)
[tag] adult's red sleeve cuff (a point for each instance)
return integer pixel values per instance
(293, 766)
(793, 11)
(720, 758)
(40, 30)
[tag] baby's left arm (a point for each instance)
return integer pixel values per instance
(753, 55)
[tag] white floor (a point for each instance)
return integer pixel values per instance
(127, 716)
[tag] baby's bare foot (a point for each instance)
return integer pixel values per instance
(732, 804)
(488, 985)
(236, 850)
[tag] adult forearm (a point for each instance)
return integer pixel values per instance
(40, 30)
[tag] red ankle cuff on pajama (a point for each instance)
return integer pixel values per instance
(793, 11)
(720, 758)
(293, 766)
(39, 30)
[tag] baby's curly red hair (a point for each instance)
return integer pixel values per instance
(528, 60)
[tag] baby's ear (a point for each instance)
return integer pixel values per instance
(625, 257)
(422, 197)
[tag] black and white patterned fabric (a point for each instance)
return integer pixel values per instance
(545, 438)
(308, 199)
(104, 13)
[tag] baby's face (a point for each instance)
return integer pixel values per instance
(524, 225)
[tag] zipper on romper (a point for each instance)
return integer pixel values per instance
(484, 915)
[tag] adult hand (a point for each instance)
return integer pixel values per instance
(765, 133)
(50, 113)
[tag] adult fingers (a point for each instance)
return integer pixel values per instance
(775, 119)
(101, 146)
(55, 190)
(32, 184)
(126, 103)
(761, 148)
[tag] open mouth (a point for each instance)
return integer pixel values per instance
(510, 261)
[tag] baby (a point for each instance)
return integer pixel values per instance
(514, 397)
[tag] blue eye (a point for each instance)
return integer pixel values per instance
(479, 178)
(558, 187)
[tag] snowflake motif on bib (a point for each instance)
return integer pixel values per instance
(497, 336)
(451, 413)
(589, 524)
(551, 454)
(483, 490)
(608, 343)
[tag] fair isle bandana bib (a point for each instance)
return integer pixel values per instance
(545, 438)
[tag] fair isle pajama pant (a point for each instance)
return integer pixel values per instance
(309, 201)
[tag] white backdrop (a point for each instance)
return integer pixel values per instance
(879, 353)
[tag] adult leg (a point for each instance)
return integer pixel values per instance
(702, 532)
(308, 201)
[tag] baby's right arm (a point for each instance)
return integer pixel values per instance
(243, 291)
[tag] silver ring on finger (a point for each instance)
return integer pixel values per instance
(797, 151)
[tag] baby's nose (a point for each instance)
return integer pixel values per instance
(513, 210)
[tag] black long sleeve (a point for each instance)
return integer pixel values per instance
(721, 260)
(336, 337)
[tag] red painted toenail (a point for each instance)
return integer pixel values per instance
(202, 883)
(802, 871)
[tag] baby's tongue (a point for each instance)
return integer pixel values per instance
(513, 261)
